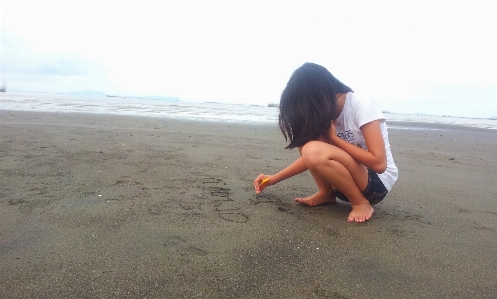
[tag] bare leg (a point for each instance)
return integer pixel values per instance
(323, 196)
(335, 167)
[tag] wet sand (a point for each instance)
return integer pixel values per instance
(105, 206)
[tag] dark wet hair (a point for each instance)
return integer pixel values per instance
(308, 104)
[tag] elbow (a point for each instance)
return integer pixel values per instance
(380, 167)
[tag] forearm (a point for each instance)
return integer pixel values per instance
(363, 156)
(295, 168)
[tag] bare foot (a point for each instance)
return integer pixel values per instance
(319, 198)
(360, 213)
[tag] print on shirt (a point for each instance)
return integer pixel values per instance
(349, 137)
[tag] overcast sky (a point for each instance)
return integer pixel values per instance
(434, 57)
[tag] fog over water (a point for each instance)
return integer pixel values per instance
(411, 57)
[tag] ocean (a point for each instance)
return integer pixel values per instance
(210, 111)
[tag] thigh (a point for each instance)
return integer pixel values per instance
(323, 150)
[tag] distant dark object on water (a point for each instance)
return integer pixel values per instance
(4, 87)
(273, 105)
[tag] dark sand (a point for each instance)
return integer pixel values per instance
(102, 206)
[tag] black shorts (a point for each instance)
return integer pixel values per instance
(375, 190)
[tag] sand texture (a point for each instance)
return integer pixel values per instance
(102, 206)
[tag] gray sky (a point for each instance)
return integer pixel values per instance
(434, 57)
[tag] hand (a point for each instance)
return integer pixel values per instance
(332, 133)
(257, 183)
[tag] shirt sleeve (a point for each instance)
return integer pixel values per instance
(368, 111)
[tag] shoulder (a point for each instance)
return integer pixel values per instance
(365, 109)
(360, 101)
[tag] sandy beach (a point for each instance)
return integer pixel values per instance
(106, 206)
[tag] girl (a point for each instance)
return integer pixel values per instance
(342, 140)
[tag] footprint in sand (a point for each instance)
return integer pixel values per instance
(182, 248)
(237, 217)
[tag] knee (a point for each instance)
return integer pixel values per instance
(313, 154)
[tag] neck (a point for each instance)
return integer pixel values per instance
(340, 102)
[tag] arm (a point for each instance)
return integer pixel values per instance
(375, 157)
(293, 169)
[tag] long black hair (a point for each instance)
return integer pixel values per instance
(308, 104)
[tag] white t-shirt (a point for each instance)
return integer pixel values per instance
(356, 113)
